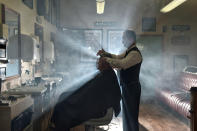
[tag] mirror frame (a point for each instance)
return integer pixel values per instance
(19, 38)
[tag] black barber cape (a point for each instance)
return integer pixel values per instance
(89, 101)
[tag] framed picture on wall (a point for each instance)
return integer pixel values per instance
(181, 28)
(148, 24)
(180, 40)
(180, 62)
(114, 38)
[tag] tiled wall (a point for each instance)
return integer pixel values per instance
(27, 19)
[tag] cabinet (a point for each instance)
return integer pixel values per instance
(17, 114)
(30, 48)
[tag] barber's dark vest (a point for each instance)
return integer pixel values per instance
(131, 75)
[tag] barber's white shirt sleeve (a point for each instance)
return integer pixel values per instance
(118, 56)
(130, 60)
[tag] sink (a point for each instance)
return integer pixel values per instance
(50, 79)
(27, 90)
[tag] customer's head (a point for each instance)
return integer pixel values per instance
(102, 64)
(128, 38)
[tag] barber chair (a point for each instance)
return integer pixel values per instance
(181, 96)
(92, 124)
(91, 100)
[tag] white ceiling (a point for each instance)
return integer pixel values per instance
(124, 12)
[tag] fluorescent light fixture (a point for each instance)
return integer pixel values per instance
(172, 5)
(100, 5)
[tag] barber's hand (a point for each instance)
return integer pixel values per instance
(100, 52)
(102, 64)
(103, 59)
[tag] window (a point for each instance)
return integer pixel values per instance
(115, 45)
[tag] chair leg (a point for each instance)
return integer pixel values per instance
(193, 109)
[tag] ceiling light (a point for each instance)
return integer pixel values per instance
(100, 5)
(172, 5)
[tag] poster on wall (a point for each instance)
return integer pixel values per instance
(148, 24)
(180, 40)
(86, 41)
(181, 28)
(93, 42)
(115, 45)
(93, 39)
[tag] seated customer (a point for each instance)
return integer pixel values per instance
(89, 101)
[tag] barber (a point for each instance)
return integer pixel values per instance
(129, 64)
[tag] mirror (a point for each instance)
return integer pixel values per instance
(12, 20)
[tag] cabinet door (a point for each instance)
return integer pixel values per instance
(151, 49)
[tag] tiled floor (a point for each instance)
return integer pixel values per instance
(152, 118)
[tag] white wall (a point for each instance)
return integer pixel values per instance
(127, 13)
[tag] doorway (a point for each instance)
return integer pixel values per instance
(151, 48)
